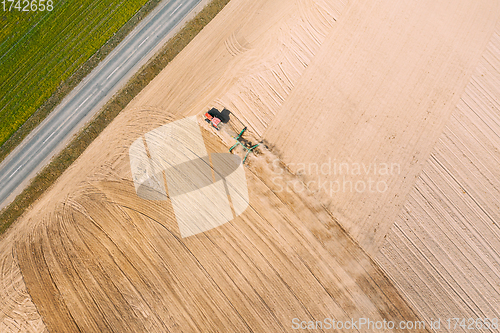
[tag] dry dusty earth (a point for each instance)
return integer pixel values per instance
(403, 95)
(443, 250)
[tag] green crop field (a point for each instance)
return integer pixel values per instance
(41, 49)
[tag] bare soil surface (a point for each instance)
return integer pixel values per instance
(366, 82)
(446, 240)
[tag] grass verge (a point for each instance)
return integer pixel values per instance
(61, 162)
(55, 87)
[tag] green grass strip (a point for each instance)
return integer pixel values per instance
(60, 163)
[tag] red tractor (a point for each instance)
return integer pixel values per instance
(215, 118)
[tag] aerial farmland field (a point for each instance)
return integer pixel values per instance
(350, 182)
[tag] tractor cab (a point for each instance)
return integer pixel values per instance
(216, 118)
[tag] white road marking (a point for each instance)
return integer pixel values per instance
(143, 42)
(175, 9)
(16, 171)
(83, 102)
(48, 137)
(130, 55)
(113, 72)
(64, 123)
(154, 32)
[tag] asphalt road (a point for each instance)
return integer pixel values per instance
(89, 96)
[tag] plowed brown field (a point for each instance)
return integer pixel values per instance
(323, 83)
